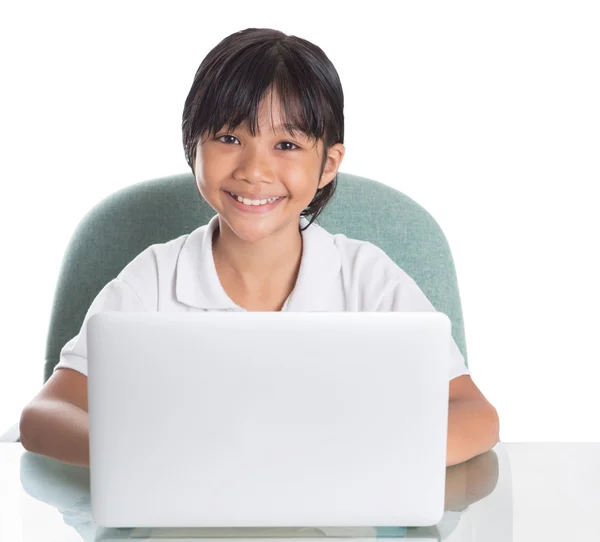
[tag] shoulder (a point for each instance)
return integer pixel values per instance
(366, 260)
(154, 269)
(153, 258)
(370, 278)
(381, 284)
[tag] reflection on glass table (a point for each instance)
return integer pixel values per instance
(67, 488)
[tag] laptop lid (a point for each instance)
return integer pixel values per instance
(268, 419)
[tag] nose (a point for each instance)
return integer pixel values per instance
(254, 166)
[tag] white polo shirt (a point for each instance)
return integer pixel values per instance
(336, 274)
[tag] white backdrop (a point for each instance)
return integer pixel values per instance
(486, 114)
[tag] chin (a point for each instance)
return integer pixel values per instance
(250, 229)
(253, 229)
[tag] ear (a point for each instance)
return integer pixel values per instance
(335, 155)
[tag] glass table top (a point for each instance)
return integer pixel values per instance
(517, 491)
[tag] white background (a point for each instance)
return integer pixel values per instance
(487, 114)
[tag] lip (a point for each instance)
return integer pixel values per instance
(260, 209)
(252, 197)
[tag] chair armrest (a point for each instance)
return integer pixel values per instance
(12, 434)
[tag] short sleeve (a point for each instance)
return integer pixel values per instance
(406, 296)
(117, 295)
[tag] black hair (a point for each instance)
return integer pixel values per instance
(235, 75)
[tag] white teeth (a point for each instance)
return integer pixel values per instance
(254, 202)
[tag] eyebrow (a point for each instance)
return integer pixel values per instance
(284, 128)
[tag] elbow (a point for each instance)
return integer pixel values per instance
(496, 426)
(490, 429)
(27, 431)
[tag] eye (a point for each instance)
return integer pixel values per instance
(220, 138)
(289, 143)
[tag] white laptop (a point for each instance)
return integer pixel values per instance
(268, 419)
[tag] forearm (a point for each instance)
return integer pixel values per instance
(58, 430)
(473, 429)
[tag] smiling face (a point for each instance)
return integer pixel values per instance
(274, 163)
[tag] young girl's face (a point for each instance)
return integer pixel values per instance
(271, 164)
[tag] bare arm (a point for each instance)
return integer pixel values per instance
(55, 422)
(473, 429)
(473, 424)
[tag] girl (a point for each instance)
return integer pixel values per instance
(263, 132)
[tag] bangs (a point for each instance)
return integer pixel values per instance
(298, 114)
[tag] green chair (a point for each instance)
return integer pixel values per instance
(125, 223)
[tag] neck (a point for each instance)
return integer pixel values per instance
(259, 267)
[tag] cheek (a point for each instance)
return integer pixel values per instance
(302, 178)
(209, 168)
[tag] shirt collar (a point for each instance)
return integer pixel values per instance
(198, 285)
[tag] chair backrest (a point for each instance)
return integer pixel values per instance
(156, 211)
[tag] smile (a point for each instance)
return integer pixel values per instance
(254, 206)
(254, 202)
